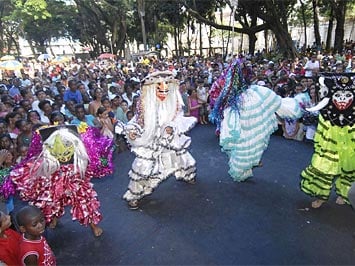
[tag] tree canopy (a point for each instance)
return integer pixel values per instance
(107, 25)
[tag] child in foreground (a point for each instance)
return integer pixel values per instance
(33, 247)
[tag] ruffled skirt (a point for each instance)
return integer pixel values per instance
(53, 193)
(147, 173)
(333, 160)
(245, 134)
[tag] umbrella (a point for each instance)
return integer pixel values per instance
(7, 57)
(106, 56)
(11, 65)
(61, 59)
(44, 57)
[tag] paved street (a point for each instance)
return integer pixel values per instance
(263, 221)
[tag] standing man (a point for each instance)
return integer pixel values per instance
(312, 67)
(185, 98)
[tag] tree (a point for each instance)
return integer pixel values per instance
(104, 24)
(339, 9)
(315, 4)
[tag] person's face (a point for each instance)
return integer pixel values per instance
(103, 115)
(22, 112)
(59, 120)
(106, 104)
(47, 109)
(81, 88)
(26, 105)
(5, 221)
(25, 126)
(15, 118)
(33, 116)
(298, 89)
(129, 116)
(70, 106)
(9, 158)
(124, 106)
(5, 143)
(41, 96)
(34, 226)
(59, 101)
(3, 128)
(116, 101)
(80, 113)
(23, 151)
(98, 93)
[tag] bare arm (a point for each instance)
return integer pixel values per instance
(31, 260)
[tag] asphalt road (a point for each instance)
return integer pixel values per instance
(263, 221)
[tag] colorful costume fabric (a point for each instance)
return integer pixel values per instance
(245, 116)
(98, 147)
(333, 160)
(159, 142)
(7, 189)
(100, 150)
(57, 178)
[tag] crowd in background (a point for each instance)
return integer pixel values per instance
(102, 92)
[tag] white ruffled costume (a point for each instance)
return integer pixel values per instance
(245, 133)
(159, 154)
(246, 116)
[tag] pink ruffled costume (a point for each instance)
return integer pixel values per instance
(66, 186)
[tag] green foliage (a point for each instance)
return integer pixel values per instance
(296, 17)
(35, 9)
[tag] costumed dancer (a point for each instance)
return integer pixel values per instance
(333, 161)
(245, 116)
(156, 135)
(57, 178)
(98, 147)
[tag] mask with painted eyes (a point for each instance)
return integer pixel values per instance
(340, 88)
(162, 91)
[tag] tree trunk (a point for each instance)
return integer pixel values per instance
(201, 50)
(330, 30)
(304, 24)
(141, 12)
(339, 13)
(316, 23)
(176, 42)
(188, 36)
(266, 36)
(210, 42)
(252, 41)
(284, 40)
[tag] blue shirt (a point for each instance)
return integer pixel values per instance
(89, 119)
(73, 95)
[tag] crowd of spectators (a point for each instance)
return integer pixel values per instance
(102, 92)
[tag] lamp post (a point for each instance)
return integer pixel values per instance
(234, 4)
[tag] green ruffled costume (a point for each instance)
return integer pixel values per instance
(333, 161)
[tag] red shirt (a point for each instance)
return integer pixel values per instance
(40, 248)
(9, 247)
